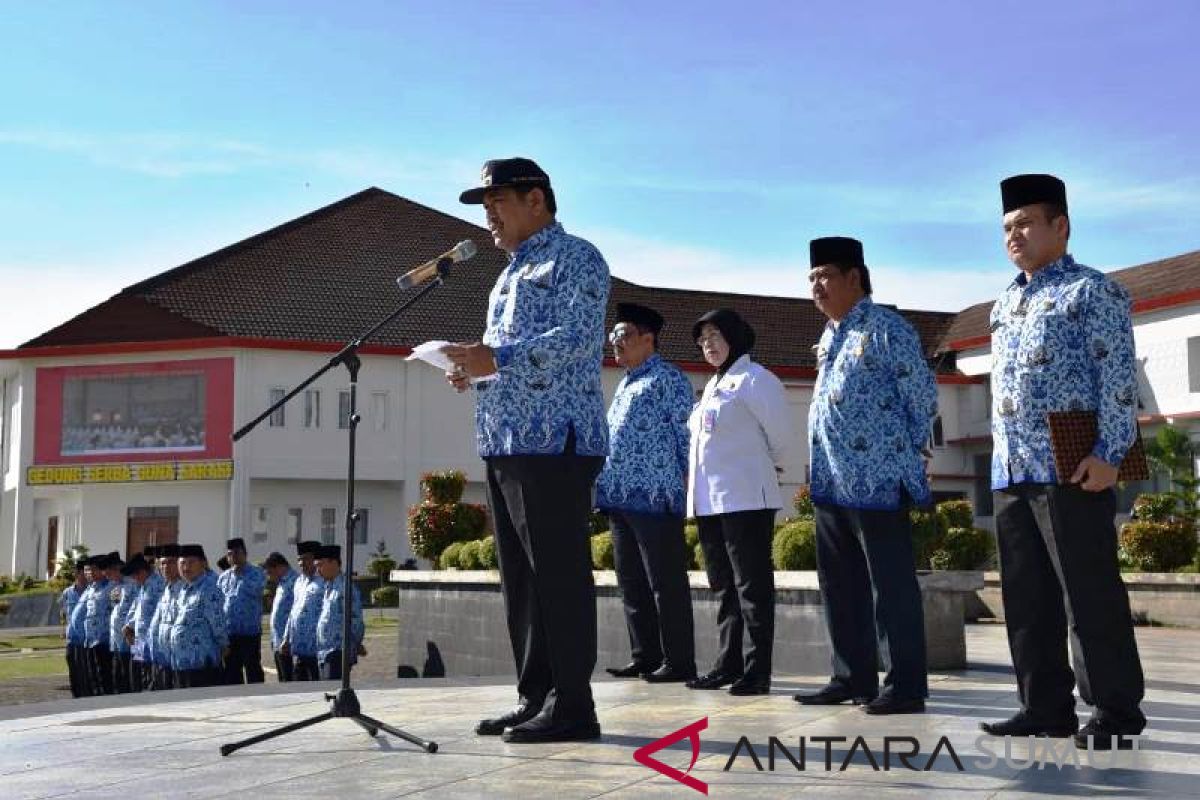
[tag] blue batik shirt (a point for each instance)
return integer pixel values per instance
(307, 594)
(646, 470)
(243, 599)
(70, 598)
(97, 605)
(1061, 341)
(871, 412)
(545, 324)
(281, 607)
(199, 631)
(141, 614)
(159, 637)
(75, 619)
(128, 589)
(329, 625)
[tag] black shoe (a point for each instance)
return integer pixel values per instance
(1022, 725)
(543, 728)
(831, 694)
(668, 674)
(496, 725)
(889, 704)
(713, 680)
(631, 670)
(747, 685)
(1102, 733)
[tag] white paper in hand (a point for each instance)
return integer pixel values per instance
(433, 353)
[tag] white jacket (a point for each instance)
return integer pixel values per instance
(740, 434)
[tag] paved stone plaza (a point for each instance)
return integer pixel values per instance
(167, 745)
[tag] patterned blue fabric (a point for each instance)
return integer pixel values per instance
(75, 632)
(281, 607)
(301, 635)
(329, 625)
(128, 592)
(546, 325)
(871, 412)
(646, 471)
(243, 599)
(159, 636)
(97, 605)
(142, 612)
(199, 630)
(69, 599)
(1061, 341)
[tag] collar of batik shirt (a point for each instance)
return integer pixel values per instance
(538, 239)
(1046, 273)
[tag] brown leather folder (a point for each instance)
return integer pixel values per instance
(1072, 437)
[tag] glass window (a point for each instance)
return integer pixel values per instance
(344, 410)
(133, 414)
(277, 417)
(328, 525)
(295, 525)
(363, 528)
(259, 529)
(379, 410)
(312, 408)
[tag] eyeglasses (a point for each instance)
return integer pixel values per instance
(621, 333)
(709, 338)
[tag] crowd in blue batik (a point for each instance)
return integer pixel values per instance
(70, 598)
(307, 594)
(159, 636)
(243, 590)
(646, 472)
(75, 617)
(871, 412)
(1061, 341)
(142, 612)
(199, 631)
(97, 605)
(546, 327)
(329, 624)
(281, 607)
(128, 592)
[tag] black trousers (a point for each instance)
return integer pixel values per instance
(1059, 574)
(331, 666)
(121, 672)
(164, 677)
(305, 668)
(540, 505)
(198, 678)
(649, 551)
(737, 558)
(77, 671)
(283, 667)
(872, 600)
(99, 661)
(140, 676)
(244, 662)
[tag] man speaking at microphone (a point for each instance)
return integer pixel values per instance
(541, 430)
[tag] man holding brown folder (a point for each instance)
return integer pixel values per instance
(1062, 341)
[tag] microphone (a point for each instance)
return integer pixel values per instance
(437, 266)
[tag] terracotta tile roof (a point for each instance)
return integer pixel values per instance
(330, 274)
(1150, 285)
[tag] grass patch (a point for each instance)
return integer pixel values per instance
(37, 588)
(373, 621)
(34, 642)
(32, 666)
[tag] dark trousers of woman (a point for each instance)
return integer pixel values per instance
(305, 668)
(1059, 576)
(283, 667)
(99, 661)
(77, 671)
(121, 672)
(331, 666)
(140, 676)
(872, 600)
(198, 678)
(244, 662)
(737, 558)
(540, 504)
(651, 564)
(164, 677)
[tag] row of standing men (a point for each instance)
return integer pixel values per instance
(165, 620)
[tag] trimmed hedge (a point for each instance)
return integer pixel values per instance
(1157, 546)
(602, 551)
(794, 546)
(964, 549)
(385, 597)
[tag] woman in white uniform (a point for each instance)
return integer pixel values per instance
(740, 432)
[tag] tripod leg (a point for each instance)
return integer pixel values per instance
(226, 749)
(428, 747)
(371, 731)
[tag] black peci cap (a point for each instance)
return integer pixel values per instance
(1025, 190)
(330, 551)
(836, 250)
(192, 551)
(642, 316)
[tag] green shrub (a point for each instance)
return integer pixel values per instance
(602, 551)
(698, 557)
(964, 549)
(1157, 546)
(449, 556)
(468, 556)
(430, 529)
(802, 502)
(598, 523)
(487, 553)
(5, 584)
(926, 535)
(1155, 507)
(795, 545)
(443, 488)
(470, 522)
(955, 514)
(691, 540)
(23, 582)
(385, 597)
(268, 596)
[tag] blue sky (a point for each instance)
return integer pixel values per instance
(697, 144)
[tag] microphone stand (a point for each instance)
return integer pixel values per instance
(345, 701)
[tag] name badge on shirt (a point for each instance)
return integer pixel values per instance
(708, 420)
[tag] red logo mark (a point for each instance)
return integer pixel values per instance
(690, 732)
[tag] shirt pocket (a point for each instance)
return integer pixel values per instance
(1052, 333)
(532, 300)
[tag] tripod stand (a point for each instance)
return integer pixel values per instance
(345, 701)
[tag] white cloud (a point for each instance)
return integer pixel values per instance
(38, 298)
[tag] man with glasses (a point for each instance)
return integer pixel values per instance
(643, 490)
